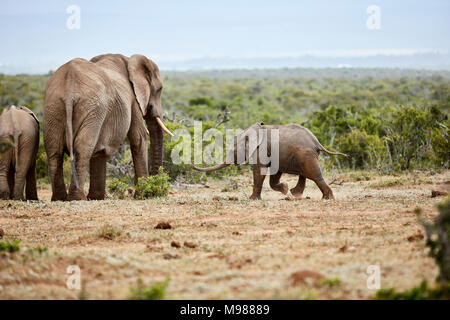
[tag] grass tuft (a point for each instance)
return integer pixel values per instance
(156, 291)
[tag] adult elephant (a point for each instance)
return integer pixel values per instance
(90, 107)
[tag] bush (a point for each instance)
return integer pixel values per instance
(365, 150)
(118, 188)
(438, 240)
(109, 232)
(42, 162)
(157, 291)
(421, 292)
(5, 145)
(10, 246)
(153, 186)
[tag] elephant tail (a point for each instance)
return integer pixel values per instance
(214, 168)
(16, 135)
(69, 140)
(322, 148)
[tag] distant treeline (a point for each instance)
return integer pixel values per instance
(386, 119)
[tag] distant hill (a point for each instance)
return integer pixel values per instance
(431, 60)
(353, 73)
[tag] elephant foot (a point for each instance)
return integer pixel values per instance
(255, 197)
(96, 196)
(59, 196)
(284, 188)
(328, 197)
(76, 195)
(4, 195)
(298, 196)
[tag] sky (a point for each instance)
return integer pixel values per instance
(35, 37)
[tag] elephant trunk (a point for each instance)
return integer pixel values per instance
(156, 145)
(214, 168)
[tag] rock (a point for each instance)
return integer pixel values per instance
(169, 256)
(415, 237)
(190, 244)
(437, 193)
(305, 277)
(163, 225)
(175, 244)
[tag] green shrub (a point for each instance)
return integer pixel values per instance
(365, 150)
(39, 250)
(5, 145)
(42, 162)
(438, 240)
(109, 232)
(421, 292)
(153, 186)
(10, 246)
(331, 283)
(156, 291)
(118, 188)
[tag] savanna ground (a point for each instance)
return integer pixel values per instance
(236, 248)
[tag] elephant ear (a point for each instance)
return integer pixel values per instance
(140, 75)
(31, 113)
(249, 139)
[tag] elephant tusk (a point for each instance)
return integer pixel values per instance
(146, 130)
(161, 124)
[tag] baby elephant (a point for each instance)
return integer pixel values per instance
(298, 152)
(19, 126)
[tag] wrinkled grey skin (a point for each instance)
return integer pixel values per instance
(90, 108)
(20, 126)
(298, 154)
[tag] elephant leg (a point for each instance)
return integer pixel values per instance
(276, 185)
(11, 180)
(139, 148)
(326, 190)
(55, 164)
(84, 145)
(258, 180)
(297, 191)
(54, 140)
(31, 188)
(6, 176)
(81, 165)
(19, 183)
(309, 165)
(97, 171)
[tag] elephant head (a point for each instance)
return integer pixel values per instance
(243, 149)
(147, 84)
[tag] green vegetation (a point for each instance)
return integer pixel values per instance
(386, 120)
(421, 292)
(118, 188)
(153, 186)
(5, 145)
(331, 283)
(38, 250)
(10, 246)
(109, 232)
(438, 240)
(156, 291)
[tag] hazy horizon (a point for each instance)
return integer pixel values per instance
(203, 35)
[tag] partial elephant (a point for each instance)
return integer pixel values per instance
(298, 152)
(90, 107)
(19, 126)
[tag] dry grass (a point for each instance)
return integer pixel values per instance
(238, 248)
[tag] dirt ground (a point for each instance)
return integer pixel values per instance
(237, 248)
